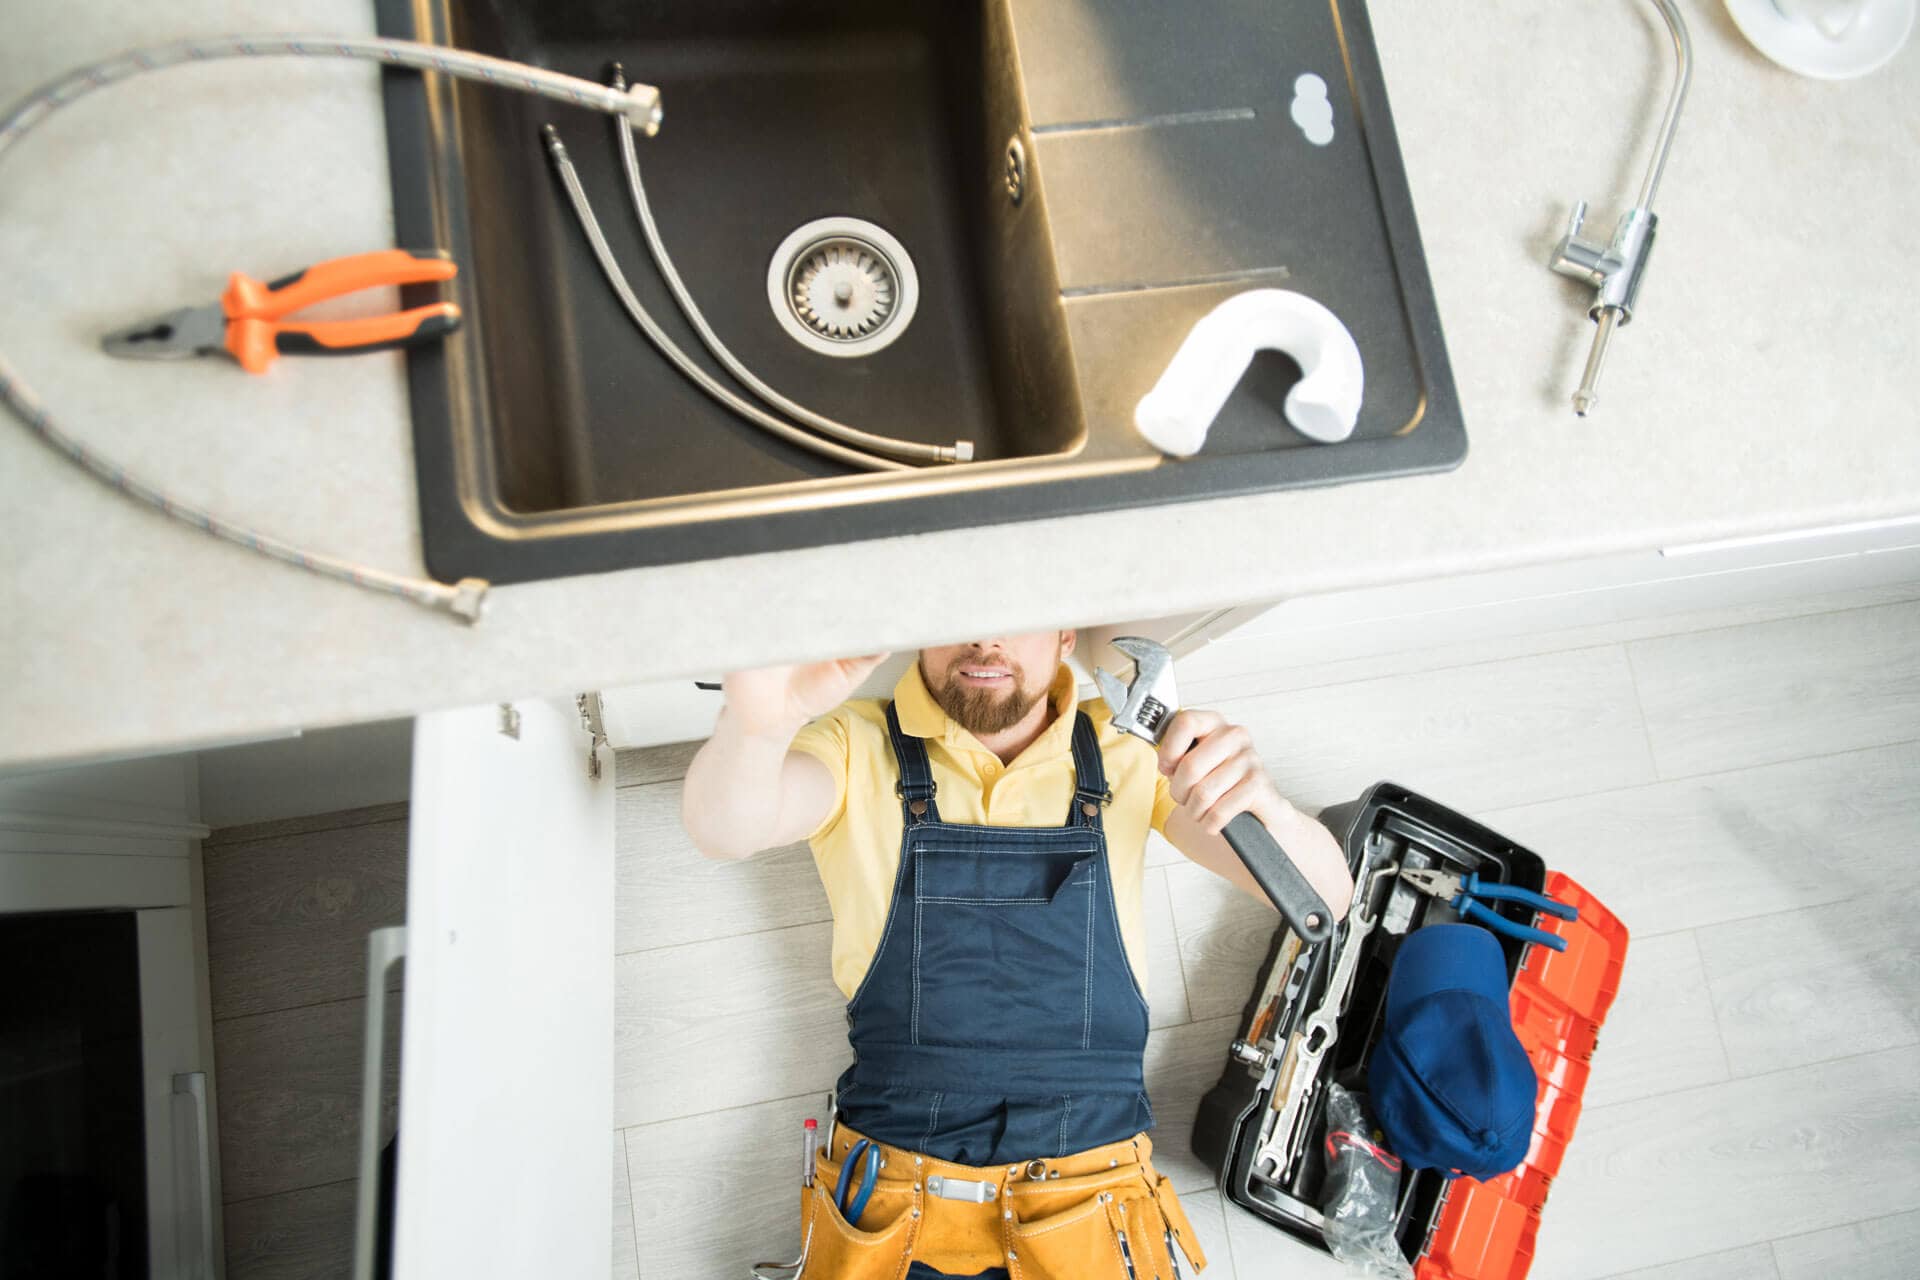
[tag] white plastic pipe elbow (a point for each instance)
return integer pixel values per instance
(1323, 406)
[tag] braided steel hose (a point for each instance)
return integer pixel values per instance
(639, 104)
(667, 347)
(959, 451)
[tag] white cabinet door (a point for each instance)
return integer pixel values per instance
(506, 1068)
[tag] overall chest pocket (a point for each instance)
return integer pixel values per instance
(987, 877)
(1003, 947)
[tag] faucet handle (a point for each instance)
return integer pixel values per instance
(1577, 219)
(1581, 259)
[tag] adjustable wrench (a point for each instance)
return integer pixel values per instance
(1143, 709)
(1308, 1049)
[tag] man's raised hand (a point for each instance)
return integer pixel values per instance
(775, 700)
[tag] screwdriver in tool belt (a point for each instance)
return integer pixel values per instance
(810, 1143)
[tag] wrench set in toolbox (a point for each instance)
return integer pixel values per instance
(1317, 1010)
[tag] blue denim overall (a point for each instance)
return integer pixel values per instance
(1000, 1020)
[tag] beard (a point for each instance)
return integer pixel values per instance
(984, 710)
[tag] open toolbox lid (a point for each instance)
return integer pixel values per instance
(1458, 1229)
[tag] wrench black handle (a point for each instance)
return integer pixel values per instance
(1300, 906)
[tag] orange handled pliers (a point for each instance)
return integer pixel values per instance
(247, 323)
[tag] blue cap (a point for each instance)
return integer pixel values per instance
(1452, 1085)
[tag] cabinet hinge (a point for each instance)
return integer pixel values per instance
(593, 720)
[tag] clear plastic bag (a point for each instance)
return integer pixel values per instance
(1362, 1191)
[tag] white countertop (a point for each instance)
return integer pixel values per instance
(1766, 385)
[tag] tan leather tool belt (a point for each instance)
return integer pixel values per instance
(1102, 1214)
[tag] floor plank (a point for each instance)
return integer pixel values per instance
(1704, 1170)
(1223, 936)
(626, 1259)
(1473, 738)
(1208, 1214)
(1781, 690)
(288, 916)
(289, 1096)
(1755, 1262)
(1678, 855)
(1880, 1249)
(666, 894)
(1182, 1063)
(1264, 658)
(1166, 985)
(1262, 1251)
(1821, 982)
(719, 1191)
(639, 766)
(1162, 854)
(295, 1235)
(726, 1024)
(1661, 1034)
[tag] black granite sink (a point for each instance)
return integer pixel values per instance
(1163, 173)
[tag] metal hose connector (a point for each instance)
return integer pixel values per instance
(639, 105)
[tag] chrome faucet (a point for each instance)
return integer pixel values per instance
(1616, 268)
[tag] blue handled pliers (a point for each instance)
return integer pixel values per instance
(851, 1212)
(1467, 896)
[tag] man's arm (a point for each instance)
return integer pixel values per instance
(745, 791)
(1214, 775)
(1310, 845)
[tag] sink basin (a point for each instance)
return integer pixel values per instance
(552, 439)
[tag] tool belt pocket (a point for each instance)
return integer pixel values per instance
(1104, 1226)
(879, 1249)
(1179, 1231)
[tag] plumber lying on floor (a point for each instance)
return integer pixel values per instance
(982, 841)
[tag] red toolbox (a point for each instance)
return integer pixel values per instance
(1459, 1229)
(1486, 1230)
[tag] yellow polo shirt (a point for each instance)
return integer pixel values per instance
(857, 845)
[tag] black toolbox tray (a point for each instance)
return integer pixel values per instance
(1386, 824)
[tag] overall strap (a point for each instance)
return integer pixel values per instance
(1089, 775)
(915, 787)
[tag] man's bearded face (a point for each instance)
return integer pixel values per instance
(991, 685)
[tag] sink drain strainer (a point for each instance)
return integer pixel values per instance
(842, 287)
